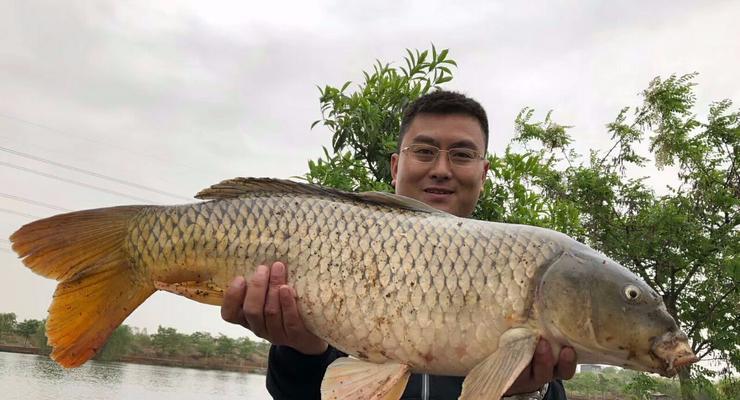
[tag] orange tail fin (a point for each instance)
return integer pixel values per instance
(98, 286)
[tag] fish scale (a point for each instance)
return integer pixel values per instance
(368, 277)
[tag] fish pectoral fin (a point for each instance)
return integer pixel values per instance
(349, 378)
(201, 291)
(494, 375)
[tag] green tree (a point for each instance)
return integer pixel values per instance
(39, 340)
(225, 346)
(640, 387)
(245, 347)
(204, 344)
(365, 123)
(168, 341)
(729, 388)
(8, 324)
(140, 340)
(28, 328)
(584, 383)
(683, 243)
(118, 344)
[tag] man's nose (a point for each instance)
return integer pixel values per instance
(441, 167)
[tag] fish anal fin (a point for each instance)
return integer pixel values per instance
(205, 292)
(349, 378)
(493, 376)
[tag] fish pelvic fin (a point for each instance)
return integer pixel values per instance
(493, 376)
(99, 287)
(349, 378)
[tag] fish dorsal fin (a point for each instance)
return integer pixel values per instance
(493, 376)
(239, 187)
(351, 379)
(396, 200)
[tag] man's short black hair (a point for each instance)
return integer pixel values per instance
(443, 102)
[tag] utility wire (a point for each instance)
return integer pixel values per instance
(74, 182)
(48, 128)
(34, 202)
(91, 173)
(5, 210)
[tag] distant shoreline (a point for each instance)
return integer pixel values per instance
(179, 362)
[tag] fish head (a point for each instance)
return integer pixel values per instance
(609, 315)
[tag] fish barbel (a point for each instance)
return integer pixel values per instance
(399, 285)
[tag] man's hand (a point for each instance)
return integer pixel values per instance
(544, 368)
(266, 305)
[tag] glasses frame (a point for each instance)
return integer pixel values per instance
(478, 155)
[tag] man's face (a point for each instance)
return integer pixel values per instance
(444, 186)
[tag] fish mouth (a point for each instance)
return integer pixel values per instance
(673, 350)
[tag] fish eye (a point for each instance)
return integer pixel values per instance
(632, 292)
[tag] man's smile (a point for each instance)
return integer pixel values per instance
(437, 190)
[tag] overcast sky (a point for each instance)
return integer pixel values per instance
(180, 95)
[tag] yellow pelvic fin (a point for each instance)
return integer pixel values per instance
(205, 292)
(493, 376)
(98, 288)
(349, 378)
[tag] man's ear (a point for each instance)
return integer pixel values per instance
(394, 168)
(484, 175)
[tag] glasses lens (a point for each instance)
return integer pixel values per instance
(462, 156)
(423, 152)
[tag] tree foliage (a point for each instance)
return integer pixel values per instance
(683, 243)
(365, 123)
(8, 323)
(119, 344)
(28, 328)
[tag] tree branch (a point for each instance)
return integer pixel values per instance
(713, 308)
(686, 281)
(641, 271)
(701, 356)
(702, 345)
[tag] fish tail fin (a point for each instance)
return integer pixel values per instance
(99, 286)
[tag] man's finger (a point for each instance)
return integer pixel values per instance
(298, 336)
(254, 301)
(566, 363)
(543, 364)
(292, 321)
(231, 308)
(273, 312)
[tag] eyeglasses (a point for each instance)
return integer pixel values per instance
(426, 153)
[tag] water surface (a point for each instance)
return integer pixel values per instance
(31, 377)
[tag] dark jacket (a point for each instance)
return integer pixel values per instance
(292, 375)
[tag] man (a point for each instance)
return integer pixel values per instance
(440, 161)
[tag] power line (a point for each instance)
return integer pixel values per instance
(34, 202)
(91, 173)
(48, 128)
(74, 182)
(5, 210)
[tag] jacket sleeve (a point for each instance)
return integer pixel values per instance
(294, 375)
(555, 391)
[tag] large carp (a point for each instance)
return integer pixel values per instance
(397, 284)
